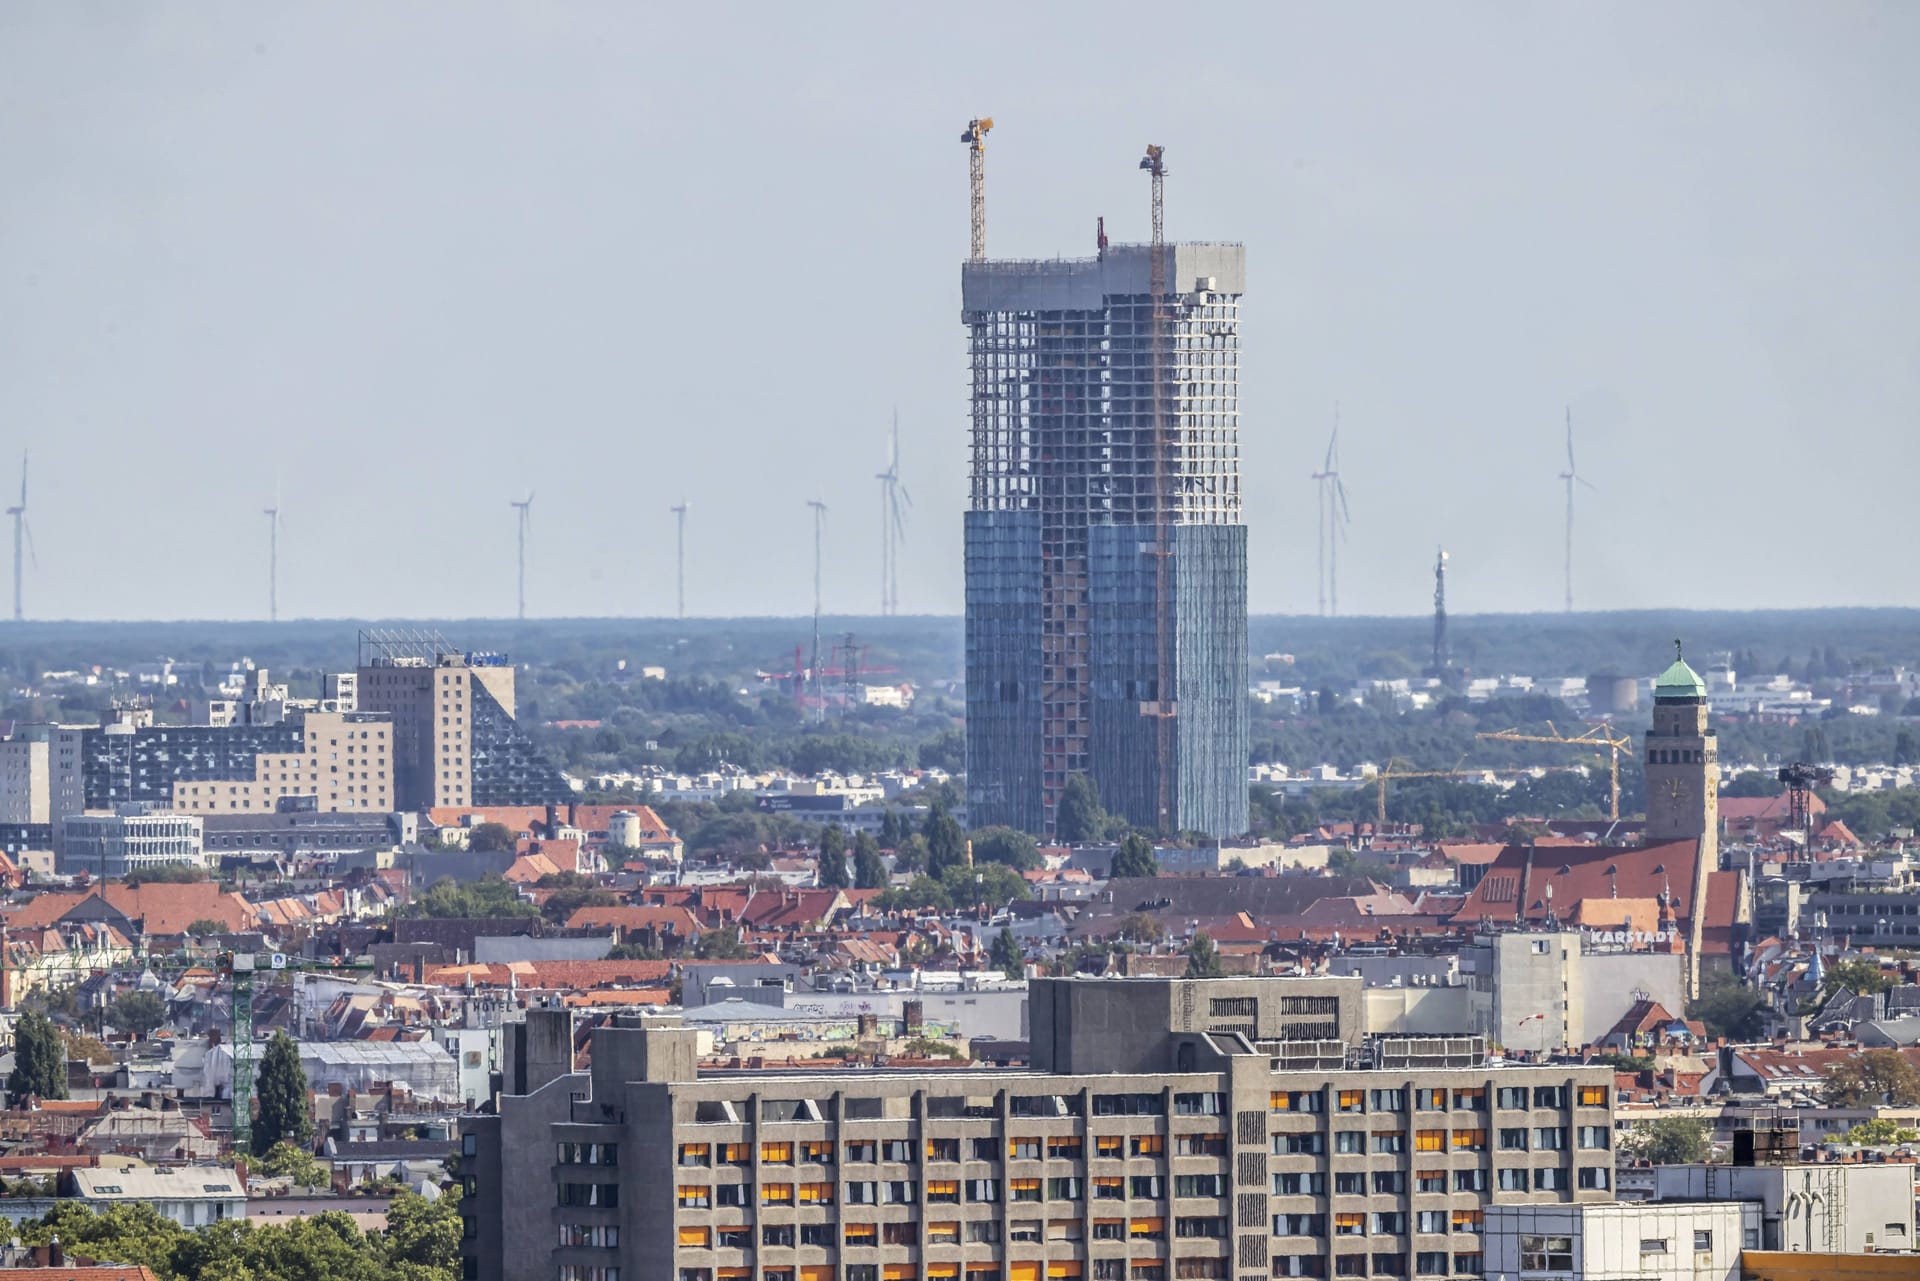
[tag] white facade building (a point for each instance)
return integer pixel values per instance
(1620, 1240)
(135, 836)
(1826, 1208)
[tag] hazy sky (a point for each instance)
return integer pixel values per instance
(408, 261)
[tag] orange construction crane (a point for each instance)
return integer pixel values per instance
(976, 139)
(1163, 706)
(1601, 735)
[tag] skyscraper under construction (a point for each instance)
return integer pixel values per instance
(1105, 556)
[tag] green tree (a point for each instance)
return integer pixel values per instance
(946, 841)
(1078, 819)
(832, 867)
(423, 1237)
(1730, 1009)
(869, 868)
(1007, 845)
(1872, 1078)
(1134, 858)
(1881, 1132)
(1138, 927)
(288, 1160)
(1203, 959)
(892, 830)
(491, 838)
(285, 1111)
(137, 1012)
(723, 944)
(1672, 1140)
(1857, 975)
(206, 927)
(1006, 954)
(571, 892)
(488, 896)
(986, 883)
(920, 893)
(910, 855)
(39, 1059)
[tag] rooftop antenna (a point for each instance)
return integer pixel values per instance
(1334, 516)
(976, 139)
(273, 557)
(22, 536)
(1571, 475)
(894, 500)
(819, 528)
(524, 507)
(679, 511)
(1441, 658)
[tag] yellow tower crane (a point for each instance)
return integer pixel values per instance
(1381, 779)
(976, 139)
(1601, 735)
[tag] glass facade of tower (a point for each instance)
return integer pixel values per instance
(1078, 613)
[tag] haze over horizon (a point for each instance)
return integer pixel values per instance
(409, 263)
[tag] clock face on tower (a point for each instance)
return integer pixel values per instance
(1679, 789)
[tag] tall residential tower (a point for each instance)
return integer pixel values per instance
(1099, 567)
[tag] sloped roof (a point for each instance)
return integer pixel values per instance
(675, 920)
(1678, 681)
(1514, 887)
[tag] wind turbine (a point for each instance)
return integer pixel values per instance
(1333, 521)
(894, 500)
(819, 527)
(525, 508)
(273, 557)
(679, 511)
(22, 535)
(1571, 475)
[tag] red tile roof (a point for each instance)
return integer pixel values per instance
(675, 920)
(1514, 886)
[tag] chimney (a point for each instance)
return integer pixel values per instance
(56, 1256)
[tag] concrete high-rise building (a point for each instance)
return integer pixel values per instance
(455, 743)
(1077, 608)
(26, 776)
(1169, 1130)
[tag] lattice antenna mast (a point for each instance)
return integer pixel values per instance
(1572, 477)
(1163, 705)
(524, 507)
(976, 139)
(1441, 659)
(819, 528)
(680, 555)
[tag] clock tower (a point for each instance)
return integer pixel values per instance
(1682, 761)
(1683, 787)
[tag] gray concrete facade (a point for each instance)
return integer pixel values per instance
(1192, 1153)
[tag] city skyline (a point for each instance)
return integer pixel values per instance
(420, 303)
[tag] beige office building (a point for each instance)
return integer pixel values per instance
(345, 763)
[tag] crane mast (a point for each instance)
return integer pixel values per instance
(1163, 706)
(976, 139)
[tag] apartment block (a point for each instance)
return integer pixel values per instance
(26, 777)
(341, 761)
(136, 837)
(1196, 1130)
(454, 737)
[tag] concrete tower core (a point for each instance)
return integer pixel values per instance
(1066, 499)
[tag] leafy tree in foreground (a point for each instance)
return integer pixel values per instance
(1875, 1077)
(1203, 959)
(1730, 1009)
(39, 1059)
(1006, 954)
(1078, 818)
(1134, 858)
(832, 867)
(869, 869)
(1007, 845)
(1672, 1140)
(946, 842)
(137, 1012)
(1881, 1132)
(285, 1112)
(490, 837)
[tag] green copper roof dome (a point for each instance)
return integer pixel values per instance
(1678, 681)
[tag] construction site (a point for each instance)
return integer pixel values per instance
(1106, 561)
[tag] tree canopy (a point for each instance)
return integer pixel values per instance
(137, 1012)
(285, 1112)
(1872, 1078)
(1134, 858)
(1671, 1140)
(832, 867)
(39, 1059)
